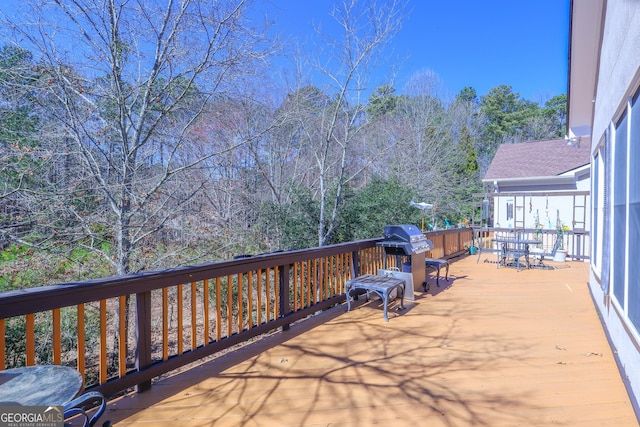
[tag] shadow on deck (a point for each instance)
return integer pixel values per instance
(490, 347)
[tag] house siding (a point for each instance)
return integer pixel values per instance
(618, 79)
(619, 62)
(545, 207)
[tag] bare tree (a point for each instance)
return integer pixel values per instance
(422, 127)
(127, 83)
(427, 129)
(346, 63)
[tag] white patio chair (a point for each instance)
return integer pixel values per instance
(539, 254)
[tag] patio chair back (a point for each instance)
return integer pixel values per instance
(556, 245)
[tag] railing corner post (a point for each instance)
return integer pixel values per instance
(355, 264)
(285, 305)
(143, 336)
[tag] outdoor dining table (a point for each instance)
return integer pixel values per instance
(514, 248)
(50, 387)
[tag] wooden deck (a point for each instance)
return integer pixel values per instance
(490, 347)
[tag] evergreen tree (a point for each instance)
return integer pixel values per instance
(382, 101)
(381, 202)
(467, 94)
(506, 115)
(555, 110)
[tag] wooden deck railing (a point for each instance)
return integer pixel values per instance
(576, 243)
(121, 332)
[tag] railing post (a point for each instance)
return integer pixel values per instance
(285, 305)
(355, 264)
(143, 336)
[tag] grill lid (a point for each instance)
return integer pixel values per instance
(404, 240)
(403, 233)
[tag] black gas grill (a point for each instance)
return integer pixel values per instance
(404, 240)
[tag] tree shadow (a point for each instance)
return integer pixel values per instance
(351, 361)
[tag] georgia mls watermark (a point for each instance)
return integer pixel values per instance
(31, 416)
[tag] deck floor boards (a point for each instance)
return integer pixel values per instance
(490, 347)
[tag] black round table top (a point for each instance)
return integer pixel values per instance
(48, 385)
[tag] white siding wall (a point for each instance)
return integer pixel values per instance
(547, 209)
(619, 62)
(617, 80)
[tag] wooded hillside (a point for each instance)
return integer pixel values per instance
(146, 135)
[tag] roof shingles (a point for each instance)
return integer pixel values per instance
(537, 159)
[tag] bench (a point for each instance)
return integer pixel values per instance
(381, 285)
(437, 264)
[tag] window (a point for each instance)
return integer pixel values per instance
(619, 209)
(625, 201)
(634, 213)
(595, 190)
(509, 210)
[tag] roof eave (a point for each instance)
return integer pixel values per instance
(584, 58)
(546, 180)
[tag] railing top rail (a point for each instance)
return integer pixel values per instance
(445, 231)
(19, 302)
(151, 346)
(556, 193)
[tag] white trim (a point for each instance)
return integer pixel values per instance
(557, 179)
(597, 211)
(626, 215)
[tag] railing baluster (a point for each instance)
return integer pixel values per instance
(276, 289)
(3, 345)
(56, 341)
(340, 277)
(259, 293)
(103, 342)
(321, 282)
(31, 344)
(329, 273)
(205, 311)
(229, 305)
(122, 336)
(304, 285)
(194, 316)
(334, 274)
(240, 302)
(346, 261)
(300, 285)
(218, 310)
(308, 282)
(314, 280)
(81, 342)
(180, 320)
(326, 291)
(165, 323)
(295, 287)
(267, 278)
(250, 298)
(339, 272)
(305, 293)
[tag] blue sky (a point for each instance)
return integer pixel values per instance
(481, 44)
